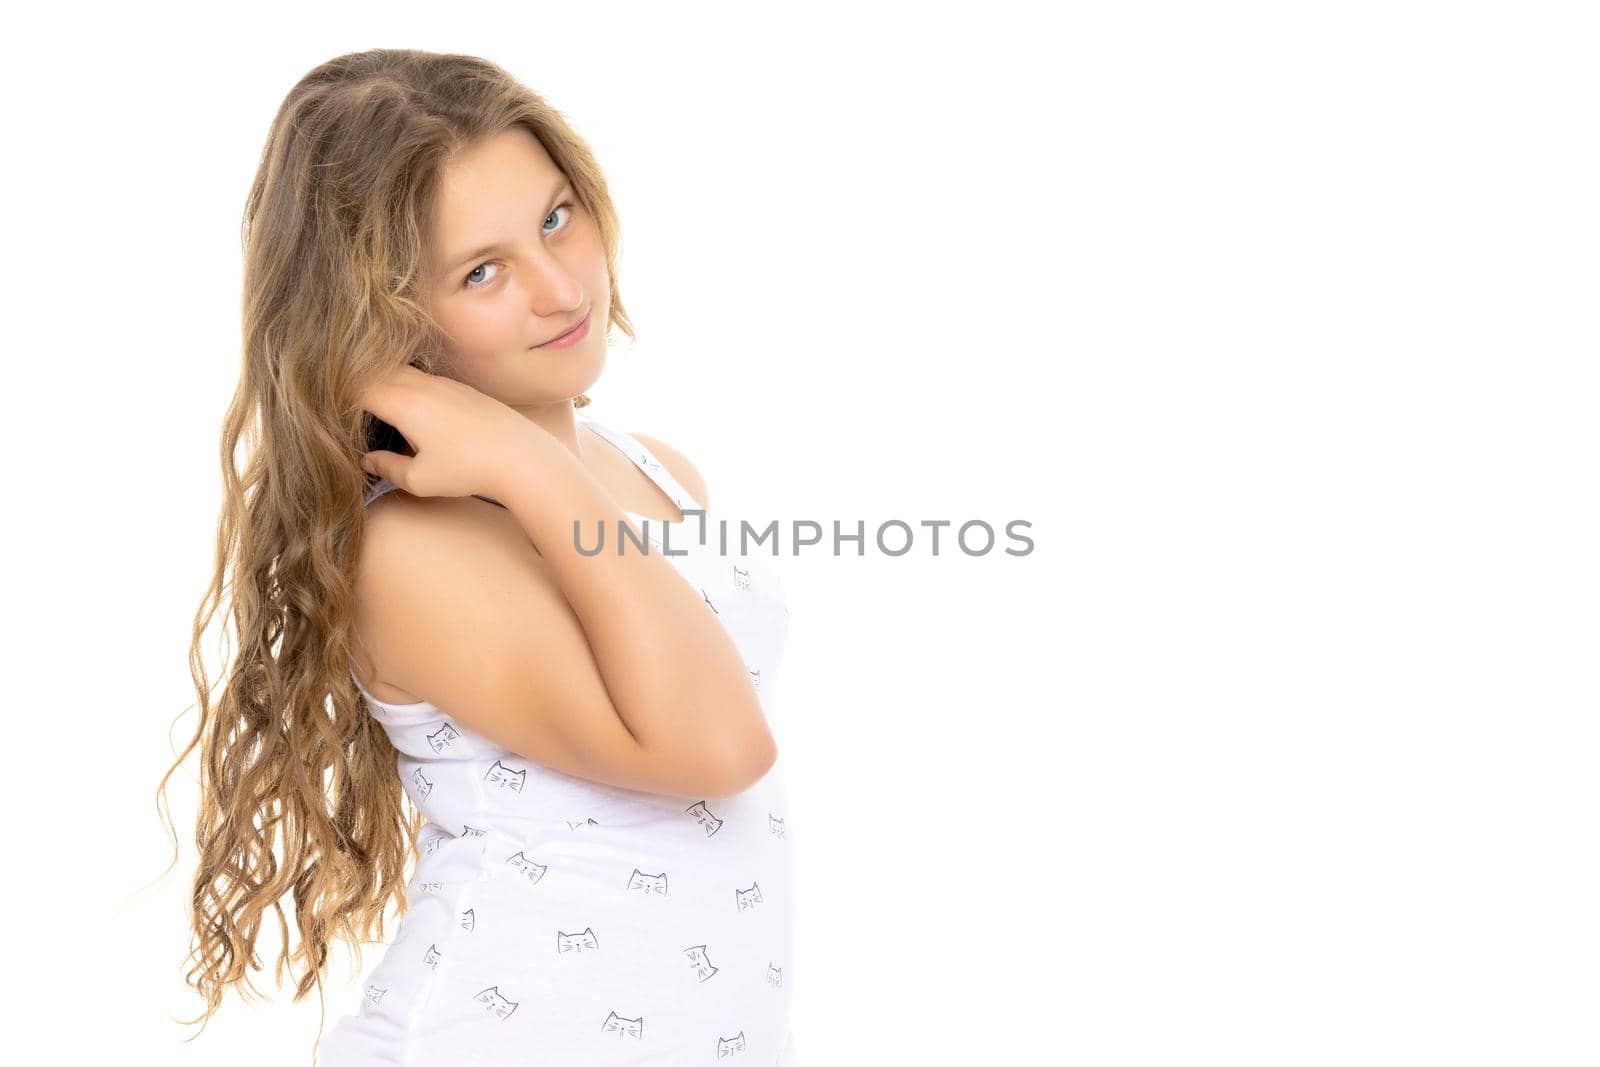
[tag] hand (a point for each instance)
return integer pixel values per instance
(466, 441)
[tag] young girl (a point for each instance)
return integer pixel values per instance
(574, 746)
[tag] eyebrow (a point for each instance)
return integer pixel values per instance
(465, 257)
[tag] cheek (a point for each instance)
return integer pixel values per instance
(508, 319)
(599, 282)
(490, 323)
(594, 261)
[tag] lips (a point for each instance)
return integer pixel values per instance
(574, 327)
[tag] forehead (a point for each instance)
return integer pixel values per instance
(481, 181)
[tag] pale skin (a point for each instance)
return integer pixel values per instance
(486, 575)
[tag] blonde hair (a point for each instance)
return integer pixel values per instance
(333, 241)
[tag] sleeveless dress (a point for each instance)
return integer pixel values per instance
(554, 920)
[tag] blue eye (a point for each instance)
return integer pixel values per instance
(467, 281)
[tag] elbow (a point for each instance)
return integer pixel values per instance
(747, 766)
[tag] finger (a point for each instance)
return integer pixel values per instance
(383, 464)
(379, 397)
(379, 400)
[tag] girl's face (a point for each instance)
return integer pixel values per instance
(516, 260)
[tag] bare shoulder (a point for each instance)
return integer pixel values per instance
(404, 534)
(679, 466)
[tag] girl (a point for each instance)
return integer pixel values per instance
(574, 747)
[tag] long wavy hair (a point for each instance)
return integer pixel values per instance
(299, 793)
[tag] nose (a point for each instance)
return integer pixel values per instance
(553, 289)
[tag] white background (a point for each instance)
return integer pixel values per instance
(1276, 321)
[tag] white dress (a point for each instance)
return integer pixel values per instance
(553, 920)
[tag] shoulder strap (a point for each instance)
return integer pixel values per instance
(384, 485)
(646, 461)
(378, 488)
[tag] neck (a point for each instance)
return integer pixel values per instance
(558, 420)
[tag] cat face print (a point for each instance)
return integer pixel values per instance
(702, 814)
(443, 737)
(648, 884)
(774, 975)
(576, 944)
(431, 957)
(494, 1003)
(747, 898)
(420, 784)
(775, 826)
(741, 577)
(502, 777)
(616, 1024)
(699, 962)
(533, 871)
(731, 1045)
